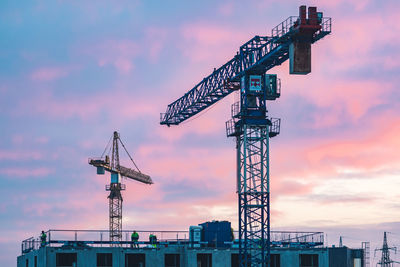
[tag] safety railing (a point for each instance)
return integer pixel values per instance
(275, 127)
(120, 186)
(326, 25)
(235, 109)
(232, 129)
(273, 93)
(100, 238)
(286, 27)
(292, 238)
(30, 244)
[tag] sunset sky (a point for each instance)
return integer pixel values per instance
(72, 72)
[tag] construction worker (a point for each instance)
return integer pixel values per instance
(43, 238)
(153, 240)
(135, 239)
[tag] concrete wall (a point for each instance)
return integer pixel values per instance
(220, 257)
(87, 257)
(291, 256)
(41, 258)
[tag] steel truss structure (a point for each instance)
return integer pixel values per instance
(253, 195)
(252, 129)
(386, 261)
(115, 210)
(259, 53)
(115, 187)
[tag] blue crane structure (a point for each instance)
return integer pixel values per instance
(251, 126)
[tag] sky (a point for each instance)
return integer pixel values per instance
(72, 72)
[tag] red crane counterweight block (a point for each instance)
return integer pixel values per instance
(300, 48)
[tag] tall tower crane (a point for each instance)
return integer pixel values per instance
(115, 187)
(250, 125)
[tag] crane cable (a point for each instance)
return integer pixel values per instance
(105, 149)
(128, 154)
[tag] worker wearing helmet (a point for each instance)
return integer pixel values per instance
(43, 238)
(135, 239)
(153, 240)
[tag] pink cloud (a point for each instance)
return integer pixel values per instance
(129, 106)
(357, 97)
(118, 53)
(154, 41)
(341, 199)
(368, 153)
(290, 187)
(160, 214)
(18, 155)
(26, 172)
(123, 65)
(359, 52)
(42, 140)
(48, 74)
(375, 151)
(18, 139)
(21, 139)
(161, 162)
(358, 5)
(207, 34)
(216, 165)
(226, 9)
(206, 42)
(80, 212)
(342, 100)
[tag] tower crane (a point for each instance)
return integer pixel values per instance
(250, 125)
(115, 187)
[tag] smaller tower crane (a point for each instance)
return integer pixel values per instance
(115, 187)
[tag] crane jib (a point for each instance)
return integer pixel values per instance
(261, 53)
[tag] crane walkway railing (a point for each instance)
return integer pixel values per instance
(286, 27)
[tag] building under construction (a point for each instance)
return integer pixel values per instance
(206, 245)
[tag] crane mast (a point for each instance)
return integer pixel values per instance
(115, 197)
(250, 124)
